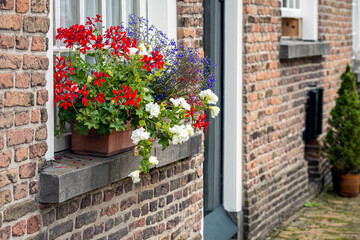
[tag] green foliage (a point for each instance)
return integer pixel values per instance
(311, 204)
(342, 142)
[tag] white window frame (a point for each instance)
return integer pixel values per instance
(356, 26)
(308, 12)
(155, 15)
(233, 110)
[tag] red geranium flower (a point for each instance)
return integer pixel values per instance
(99, 79)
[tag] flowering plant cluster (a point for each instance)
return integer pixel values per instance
(136, 74)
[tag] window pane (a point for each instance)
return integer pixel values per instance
(297, 4)
(113, 13)
(68, 13)
(92, 8)
(291, 4)
(284, 3)
(129, 8)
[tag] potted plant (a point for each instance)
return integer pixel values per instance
(342, 143)
(125, 87)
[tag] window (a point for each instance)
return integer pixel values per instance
(300, 19)
(65, 13)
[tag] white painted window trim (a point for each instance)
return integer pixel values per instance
(356, 25)
(233, 105)
(49, 87)
(310, 20)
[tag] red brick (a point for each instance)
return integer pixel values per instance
(35, 62)
(35, 116)
(109, 211)
(7, 177)
(21, 154)
(33, 224)
(38, 79)
(20, 191)
(1, 100)
(22, 118)
(19, 229)
(22, 43)
(41, 133)
(22, 6)
(27, 170)
(22, 80)
(38, 44)
(7, 41)
(136, 224)
(42, 97)
(6, 119)
(185, 33)
(126, 203)
(19, 136)
(33, 187)
(5, 233)
(7, 4)
(38, 150)
(37, 6)
(2, 142)
(108, 194)
(5, 197)
(10, 22)
(22, 99)
(33, 24)
(8, 61)
(5, 158)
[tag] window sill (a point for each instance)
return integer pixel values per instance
(302, 49)
(74, 175)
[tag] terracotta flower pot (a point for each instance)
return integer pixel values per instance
(349, 185)
(101, 145)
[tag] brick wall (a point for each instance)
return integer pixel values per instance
(23, 64)
(276, 178)
(165, 205)
(190, 23)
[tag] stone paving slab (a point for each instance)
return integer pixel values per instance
(333, 217)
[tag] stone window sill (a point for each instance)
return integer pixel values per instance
(301, 49)
(73, 175)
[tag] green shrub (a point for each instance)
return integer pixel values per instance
(342, 142)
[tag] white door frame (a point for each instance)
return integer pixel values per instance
(233, 87)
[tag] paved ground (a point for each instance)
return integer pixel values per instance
(328, 216)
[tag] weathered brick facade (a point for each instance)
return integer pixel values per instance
(276, 178)
(168, 202)
(280, 170)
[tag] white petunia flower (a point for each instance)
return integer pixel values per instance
(153, 109)
(135, 175)
(139, 134)
(142, 49)
(153, 160)
(190, 129)
(181, 134)
(184, 104)
(133, 51)
(214, 111)
(180, 102)
(209, 96)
